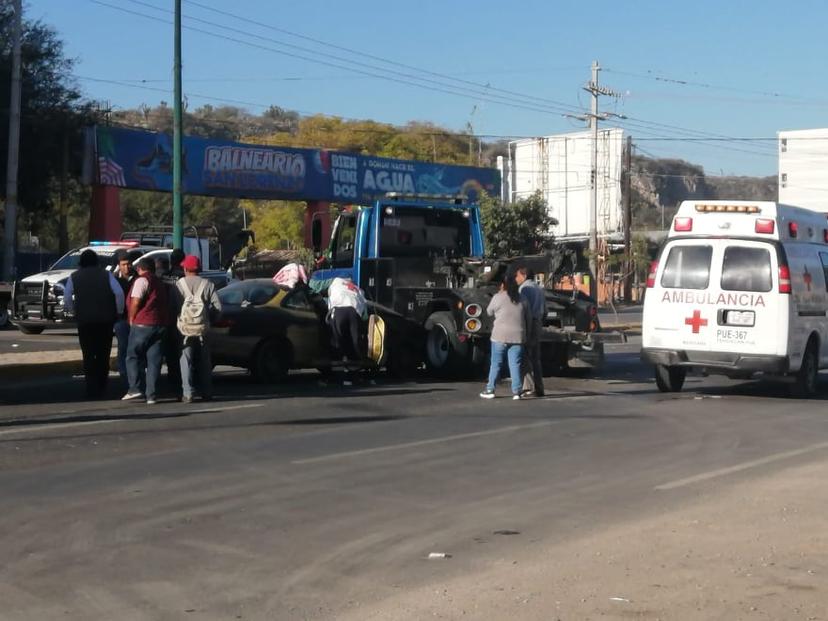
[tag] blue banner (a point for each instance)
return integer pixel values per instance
(142, 160)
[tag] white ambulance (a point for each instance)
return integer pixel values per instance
(739, 289)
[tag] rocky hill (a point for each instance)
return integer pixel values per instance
(659, 185)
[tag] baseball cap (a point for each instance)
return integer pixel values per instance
(191, 263)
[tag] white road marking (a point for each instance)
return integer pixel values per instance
(405, 445)
(34, 427)
(721, 472)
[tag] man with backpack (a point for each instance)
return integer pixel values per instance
(199, 306)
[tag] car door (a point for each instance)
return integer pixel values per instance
(305, 329)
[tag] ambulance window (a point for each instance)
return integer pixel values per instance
(746, 269)
(688, 267)
(824, 258)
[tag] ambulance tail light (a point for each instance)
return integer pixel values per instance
(764, 225)
(784, 279)
(652, 274)
(682, 224)
(793, 229)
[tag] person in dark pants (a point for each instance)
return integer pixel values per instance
(148, 320)
(535, 301)
(96, 299)
(346, 302)
(124, 274)
(172, 338)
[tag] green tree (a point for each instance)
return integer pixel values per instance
(276, 224)
(52, 115)
(522, 227)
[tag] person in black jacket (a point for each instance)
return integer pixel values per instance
(96, 299)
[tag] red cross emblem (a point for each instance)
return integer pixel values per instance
(807, 278)
(696, 321)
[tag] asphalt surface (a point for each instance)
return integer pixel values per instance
(310, 501)
(13, 341)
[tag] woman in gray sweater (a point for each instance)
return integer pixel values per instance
(507, 336)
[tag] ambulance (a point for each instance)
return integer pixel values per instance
(739, 289)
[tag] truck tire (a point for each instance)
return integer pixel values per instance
(271, 361)
(806, 380)
(30, 329)
(669, 379)
(445, 355)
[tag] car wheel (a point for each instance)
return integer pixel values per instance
(669, 379)
(805, 383)
(30, 329)
(272, 361)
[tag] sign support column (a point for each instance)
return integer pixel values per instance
(178, 220)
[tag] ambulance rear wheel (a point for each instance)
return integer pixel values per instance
(669, 379)
(805, 384)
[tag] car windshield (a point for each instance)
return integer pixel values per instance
(71, 260)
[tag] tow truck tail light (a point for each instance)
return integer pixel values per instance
(784, 279)
(825, 235)
(682, 224)
(793, 229)
(652, 274)
(764, 225)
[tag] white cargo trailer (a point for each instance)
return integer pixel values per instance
(803, 168)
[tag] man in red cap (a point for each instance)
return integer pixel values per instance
(199, 306)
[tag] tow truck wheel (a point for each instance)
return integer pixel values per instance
(446, 356)
(669, 379)
(805, 384)
(30, 329)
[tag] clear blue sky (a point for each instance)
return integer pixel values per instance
(758, 66)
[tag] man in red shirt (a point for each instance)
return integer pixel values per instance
(148, 314)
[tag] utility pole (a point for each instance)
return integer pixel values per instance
(10, 232)
(178, 220)
(594, 89)
(629, 263)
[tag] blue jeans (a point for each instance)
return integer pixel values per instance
(122, 335)
(143, 360)
(514, 353)
(195, 360)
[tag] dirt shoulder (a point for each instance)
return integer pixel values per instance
(756, 551)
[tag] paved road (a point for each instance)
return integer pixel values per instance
(13, 341)
(315, 501)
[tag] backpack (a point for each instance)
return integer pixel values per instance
(193, 319)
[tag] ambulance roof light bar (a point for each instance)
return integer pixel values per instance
(706, 208)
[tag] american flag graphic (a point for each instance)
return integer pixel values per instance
(110, 173)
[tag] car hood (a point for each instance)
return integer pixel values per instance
(53, 276)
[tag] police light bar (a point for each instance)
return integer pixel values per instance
(131, 244)
(728, 208)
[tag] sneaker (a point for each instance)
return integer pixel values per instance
(487, 394)
(517, 397)
(151, 402)
(527, 393)
(186, 399)
(132, 396)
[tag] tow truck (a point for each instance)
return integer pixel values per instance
(422, 258)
